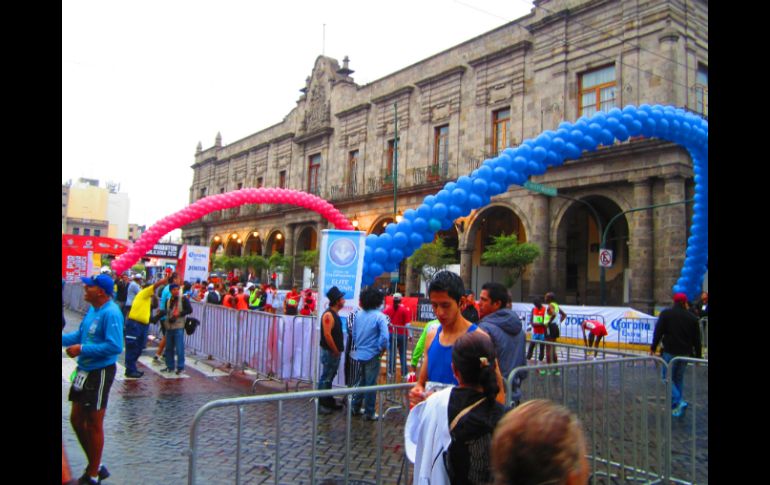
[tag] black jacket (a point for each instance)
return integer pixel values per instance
(679, 331)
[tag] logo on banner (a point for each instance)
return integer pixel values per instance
(343, 252)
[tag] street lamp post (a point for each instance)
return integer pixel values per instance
(395, 160)
(602, 271)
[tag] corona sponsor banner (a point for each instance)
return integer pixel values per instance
(624, 324)
(193, 263)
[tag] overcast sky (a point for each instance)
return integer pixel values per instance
(144, 81)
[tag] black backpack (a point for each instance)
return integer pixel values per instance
(190, 324)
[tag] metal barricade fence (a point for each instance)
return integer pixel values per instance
(72, 297)
(687, 446)
(704, 336)
(625, 409)
(259, 440)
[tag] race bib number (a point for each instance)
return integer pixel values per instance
(79, 380)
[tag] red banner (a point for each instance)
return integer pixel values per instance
(81, 245)
(76, 251)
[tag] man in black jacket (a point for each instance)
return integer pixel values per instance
(678, 329)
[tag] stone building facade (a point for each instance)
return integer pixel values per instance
(465, 104)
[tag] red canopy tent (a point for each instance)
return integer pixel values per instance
(77, 252)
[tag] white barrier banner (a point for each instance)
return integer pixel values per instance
(624, 324)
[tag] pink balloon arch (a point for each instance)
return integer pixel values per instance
(225, 201)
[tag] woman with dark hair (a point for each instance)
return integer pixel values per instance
(448, 435)
(539, 442)
(370, 340)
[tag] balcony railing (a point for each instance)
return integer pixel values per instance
(342, 191)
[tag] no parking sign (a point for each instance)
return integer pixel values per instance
(605, 258)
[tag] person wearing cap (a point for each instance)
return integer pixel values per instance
(679, 332)
(331, 347)
(96, 343)
(400, 316)
(177, 308)
(137, 327)
(212, 295)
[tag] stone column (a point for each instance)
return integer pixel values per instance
(288, 250)
(540, 279)
(641, 248)
(466, 266)
(671, 227)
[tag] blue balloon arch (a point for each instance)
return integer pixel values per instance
(534, 156)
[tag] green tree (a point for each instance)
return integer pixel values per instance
(255, 262)
(508, 252)
(138, 268)
(308, 258)
(431, 258)
(278, 263)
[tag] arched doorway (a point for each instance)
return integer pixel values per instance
(253, 244)
(578, 272)
(233, 246)
(216, 249)
(306, 241)
(489, 223)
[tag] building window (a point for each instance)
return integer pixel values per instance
(97, 232)
(312, 174)
(702, 90)
(282, 179)
(390, 162)
(203, 193)
(440, 149)
(352, 175)
(87, 231)
(500, 120)
(240, 185)
(221, 190)
(597, 91)
(260, 182)
(76, 231)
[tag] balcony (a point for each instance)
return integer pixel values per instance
(429, 174)
(342, 191)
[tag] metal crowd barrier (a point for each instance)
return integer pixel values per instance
(624, 407)
(255, 438)
(275, 347)
(704, 335)
(72, 297)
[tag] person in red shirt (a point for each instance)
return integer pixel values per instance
(291, 302)
(241, 300)
(596, 330)
(399, 316)
(308, 303)
(230, 300)
(538, 328)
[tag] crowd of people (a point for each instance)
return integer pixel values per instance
(458, 430)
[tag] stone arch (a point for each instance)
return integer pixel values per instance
(576, 238)
(508, 217)
(379, 224)
(275, 241)
(232, 246)
(253, 243)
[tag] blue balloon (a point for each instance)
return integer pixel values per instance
(433, 226)
(494, 189)
(465, 183)
(424, 212)
(516, 178)
(475, 201)
(450, 186)
(572, 151)
(459, 195)
(429, 200)
(410, 215)
(375, 269)
(396, 255)
(380, 255)
(400, 240)
(539, 154)
(519, 164)
(576, 137)
(455, 212)
(368, 253)
(440, 211)
(446, 224)
(405, 226)
(480, 186)
(372, 241)
(553, 159)
(389, 267)
(385, 241)
(589, 143)
(428, 237)
(557, 145)
(535, 168)
(390, 229)
(416, 239)
(408, 250)
(443, 197)
(420, 225)
(524, 151)
(485, 173)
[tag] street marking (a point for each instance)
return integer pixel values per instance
(204, 368)
(155, 368)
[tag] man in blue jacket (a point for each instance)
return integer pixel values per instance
(505, 328)
(97, 343)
